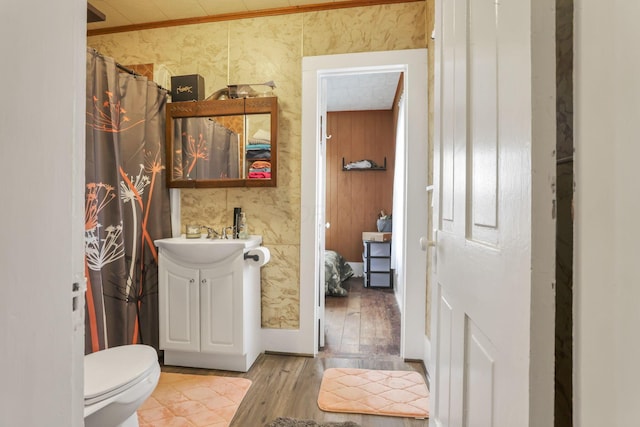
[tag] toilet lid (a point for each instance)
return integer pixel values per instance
(116, 368)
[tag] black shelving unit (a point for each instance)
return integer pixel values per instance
(377, 264)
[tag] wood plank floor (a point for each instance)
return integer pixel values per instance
(287, 386)
(364, 324)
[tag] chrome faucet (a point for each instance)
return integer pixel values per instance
(211, 233)
(224, 232)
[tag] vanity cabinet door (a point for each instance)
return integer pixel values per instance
(179, 307)
(221, 308)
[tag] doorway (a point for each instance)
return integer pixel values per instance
(364, 132)
(411, 274)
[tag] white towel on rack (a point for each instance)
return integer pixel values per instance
(361, 164)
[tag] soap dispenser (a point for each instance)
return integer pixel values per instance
(242, 230)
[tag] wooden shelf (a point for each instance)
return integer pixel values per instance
(377, 168)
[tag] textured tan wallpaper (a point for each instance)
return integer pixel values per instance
(258, 50)
(365, 29)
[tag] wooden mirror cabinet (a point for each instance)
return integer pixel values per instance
(222, 143)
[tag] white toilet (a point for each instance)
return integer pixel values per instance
(116, 382)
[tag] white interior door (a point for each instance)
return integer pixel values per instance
(490, 216)
(322, 206)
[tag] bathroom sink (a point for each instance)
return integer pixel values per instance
(203, 250)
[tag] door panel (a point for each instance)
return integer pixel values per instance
(478, 378)
(442, 391)
(447, 117)
(483, 119)
(179, 311)
(221, 308)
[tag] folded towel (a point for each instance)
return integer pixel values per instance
(259, 164)
(259, 175)
(254, 141)
(262, 134)
(361, 164)
(258, 154)
(259, 147)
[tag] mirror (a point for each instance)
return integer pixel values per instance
(222, 143)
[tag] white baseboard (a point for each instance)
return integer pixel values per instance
(426, 357)
(358, 268)
(290, 341)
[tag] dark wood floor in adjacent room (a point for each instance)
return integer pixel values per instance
(362, 331)
(365, 323)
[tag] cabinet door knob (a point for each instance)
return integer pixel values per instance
(192, 281)
(203, 281)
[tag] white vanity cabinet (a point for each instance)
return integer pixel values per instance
(202, 310)
(209, 314)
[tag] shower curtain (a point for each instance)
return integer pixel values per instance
(126, 207)
(208, 149)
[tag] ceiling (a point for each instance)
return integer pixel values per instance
(359, 92)
(355, 92)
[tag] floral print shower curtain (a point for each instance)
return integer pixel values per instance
(209, 149)
(126, 206)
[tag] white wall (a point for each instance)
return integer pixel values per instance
(607, 208)
(42, 46)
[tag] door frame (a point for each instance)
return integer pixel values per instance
(413, 62)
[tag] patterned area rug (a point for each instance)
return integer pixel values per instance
(364, 391)
(193, 401)
(290, 422)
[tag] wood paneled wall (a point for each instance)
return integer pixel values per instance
(354, 198)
